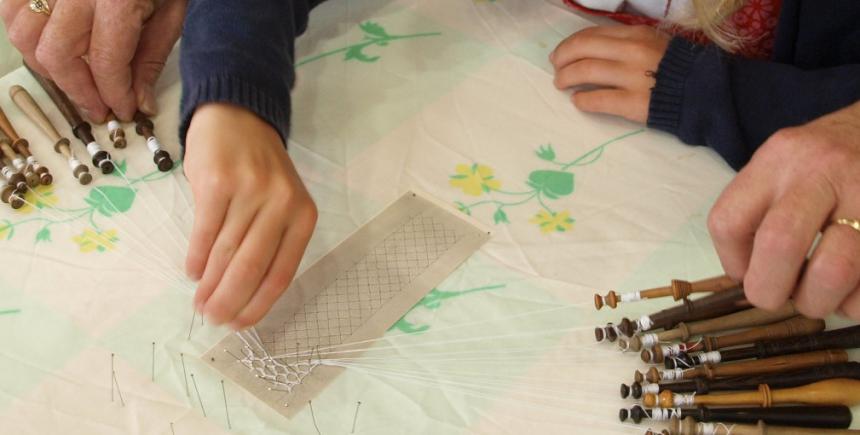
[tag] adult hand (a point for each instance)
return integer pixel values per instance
(253, 215)
(765, 222)
(619, 60)
(105, 54)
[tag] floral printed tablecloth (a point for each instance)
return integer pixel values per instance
(452, 97)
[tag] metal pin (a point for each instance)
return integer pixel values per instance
(226, 409)
(153, 361)
(355, 419)
(199, 399)
(118, 391)
(111, 378)
(313, 417)
(297, 353)
(191, 328)
(233, 355)
(184, 374)
(171, 429)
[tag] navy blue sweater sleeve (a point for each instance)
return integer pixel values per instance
(241, 52)
(707, 97)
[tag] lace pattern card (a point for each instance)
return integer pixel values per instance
(351, 295)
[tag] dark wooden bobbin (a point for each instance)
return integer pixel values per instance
(16, 161)
(797, 326)
(13, 178)
(80, 128)
(843, 338)
(827, 417)
(713, 305)
(160, 156)
(10, 195)
(795, 378)
(34, 112)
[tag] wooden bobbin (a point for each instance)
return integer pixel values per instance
(679, 289)
(144, 127)
(713, 305)
(36, 115)
(22, 147)
(829, 392)
(10, 195)
(80, 128)
(18, 162)
(689, 426)
(777, 364)
(117, 134)
(741, 319)
(14, 178)
(794, 327)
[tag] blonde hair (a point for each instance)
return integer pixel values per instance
(712, 17)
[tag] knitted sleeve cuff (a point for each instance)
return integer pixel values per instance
(239, 91)
(667, 96)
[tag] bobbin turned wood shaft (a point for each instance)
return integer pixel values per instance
(793, 327)
(777, 364)
(80, 128)
(145, 128)
(830, 417)
(679, 289)
(740, 319)
(689, 426)
(34, 112)
(795, 378)
(34, 171)
(830, 392)
(717, 304)
(844, 338)
(17, 161)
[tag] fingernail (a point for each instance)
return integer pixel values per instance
(235, 326)
(146, 102)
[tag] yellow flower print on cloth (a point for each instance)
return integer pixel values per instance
(551, 221)
(474, 179)
(554, 180)
(91, 240)
(38, 198)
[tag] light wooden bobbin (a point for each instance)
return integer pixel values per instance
(679, 289)
(117, 134)
(18, 162)
(145, 128)
(793, 327)
(684, 331)
(830, 392)
(689, 426)
(80, 128)
(22, 147)
(777, 364)
(34, 113)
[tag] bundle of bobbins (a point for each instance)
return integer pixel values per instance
(21, 169)
(718, 366)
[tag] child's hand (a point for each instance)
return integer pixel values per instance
(620, 60)
(253, 215)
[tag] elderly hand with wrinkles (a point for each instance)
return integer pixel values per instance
(105, 54)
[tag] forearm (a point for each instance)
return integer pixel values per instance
(241, 52)
(708, 97)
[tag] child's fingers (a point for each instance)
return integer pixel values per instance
(595, 72)
(247, 268)
(278, 278)
(211, 210)
(832, 274)
(236, 223)
(630, 105)
(578, 47)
